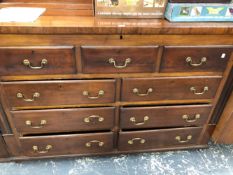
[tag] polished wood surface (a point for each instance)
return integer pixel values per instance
(194, 59)
(67, 144)
(157, 139)
(110, 59)
(95, 25)
(59, 93)
(13, 59)
(164, 116)
(64, 120)
(169, 88)
(58, 7)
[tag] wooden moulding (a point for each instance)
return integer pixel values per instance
(223, 132)
(3, 151)
(55, 7)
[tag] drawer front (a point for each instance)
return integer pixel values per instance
(59, 93)
(153, 139)
(164, 116)
(64, 120)
(169, 88)
(67, 144)
(195, 59)
(37, 61)
(119, 59)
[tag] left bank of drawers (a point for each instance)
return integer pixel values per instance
(60, 94)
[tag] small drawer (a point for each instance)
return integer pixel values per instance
(63, 120)
(170, 88)
(37, 60)
(195, 59)
(155, 139)
(116, 59)
(67, 144)
(59, 93)
(164, 116)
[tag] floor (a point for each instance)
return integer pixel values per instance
(217, 160)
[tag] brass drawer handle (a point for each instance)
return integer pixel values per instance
(189, 137)
(133, 119)
(100, 93)
(88, 119)
(136, 91)
(47, 149)
(34, 96)
(42, 124)
(141, 141)
(190, 61)
(27, 63)
(112, 61)
(189, 120)
(99, 143)
(193, 89)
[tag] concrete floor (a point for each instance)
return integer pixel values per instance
(217, 160)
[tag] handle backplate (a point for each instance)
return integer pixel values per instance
(179, 139)
(189, 119)
(194, 90)
(100, 94)
(96, 142)
(140, 140)
(113, 61)
(43, 62)
(136, 91)
(34, 97)
(47, 149)
(133, 119)
(190, 61)
(42, 124)
(94, 118)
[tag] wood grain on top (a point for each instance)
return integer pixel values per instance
(94, 25)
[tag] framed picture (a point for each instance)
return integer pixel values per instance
(130, 8)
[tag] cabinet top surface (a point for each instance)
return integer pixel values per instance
(95, 25)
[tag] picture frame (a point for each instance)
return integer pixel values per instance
(130, 8)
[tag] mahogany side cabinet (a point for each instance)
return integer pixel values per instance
(74, 86)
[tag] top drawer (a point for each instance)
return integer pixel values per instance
(195, 59)
(116, 59)
(37, 60)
